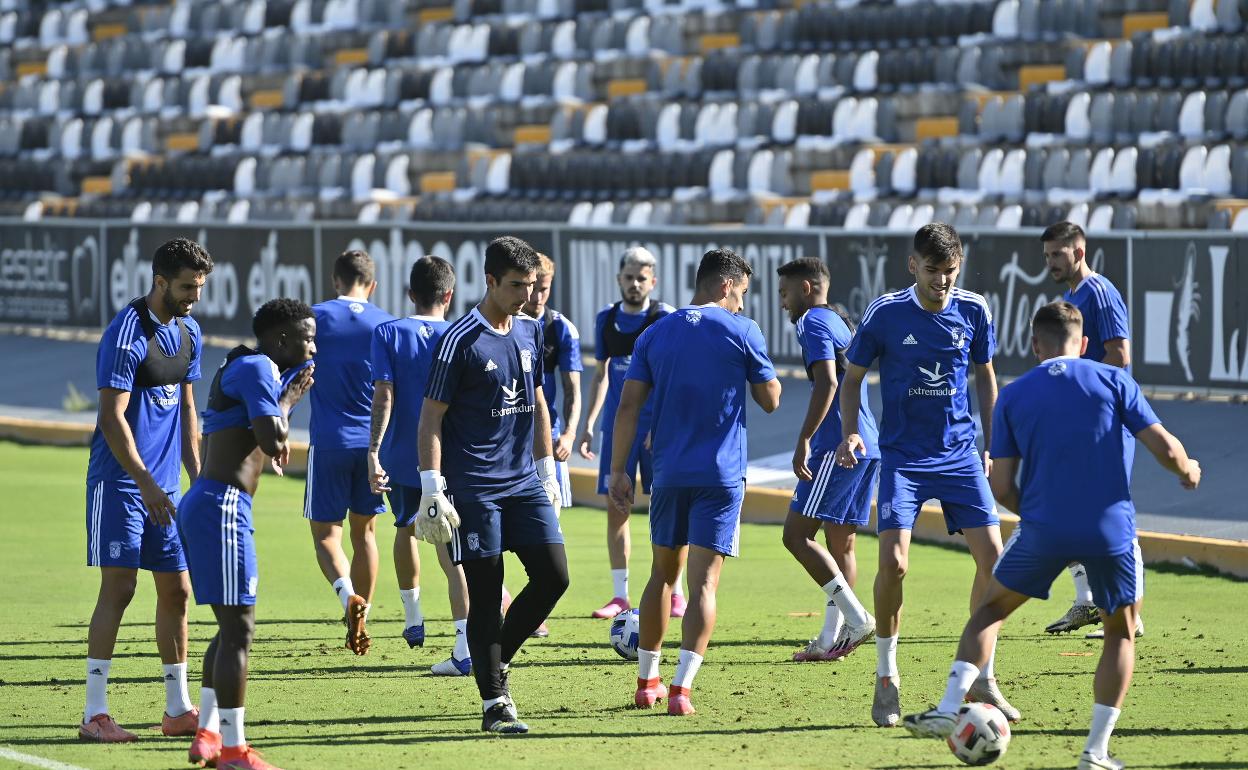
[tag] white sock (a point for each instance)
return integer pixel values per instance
(687, 669)
(177, 697)
(886, 656)
(619, 583)
(961, 677)
(840, 592)
(209, 717)
(986, 672)
(412, 616)
(345, 590)
(1103, 720)
(648, 664)
(461, 640)
(832, 622)
(486, 704)
(232, 727)
(678, 589)
(97, 687)
(1083, 591)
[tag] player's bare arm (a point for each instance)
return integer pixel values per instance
(1117, 352)
(383, 403)
(571, 414)
(851, 402)
(986, 395)
(542, 445)
(112, 421)
(620, 485)
(821, 396)
(766, 394)
(1002, 479)
(598, 395)
(429, 434)
(1170, 454)
(190, 432)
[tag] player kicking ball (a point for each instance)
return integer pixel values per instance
(488, 480)
(926, 339)
(402, 354)
(245, 428)
(830, 497)
(694, 366)
(1063, 422)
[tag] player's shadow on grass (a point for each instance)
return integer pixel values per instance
(1193, 670)
(1123, 732)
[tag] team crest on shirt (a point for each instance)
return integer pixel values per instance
(426, 331)
(526, 360)
(959, 337)
(694, 317)
(356, 307)
(474, 541)
(1057, 367)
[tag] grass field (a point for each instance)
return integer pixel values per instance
(311, 704)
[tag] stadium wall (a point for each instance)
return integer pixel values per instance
(1187, 293)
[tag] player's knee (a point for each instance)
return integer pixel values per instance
(795, 540)
(117, 591)
(894, 567)
(174, 596)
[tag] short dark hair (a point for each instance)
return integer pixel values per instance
(354, 268)
(1057, 322)
(431, 278)
(509, 253)
(938, 243)
(1064, 233)
(172, 257)
(806, 268)
(720, 264)
(276, 312)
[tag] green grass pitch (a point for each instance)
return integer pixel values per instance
(311, 704)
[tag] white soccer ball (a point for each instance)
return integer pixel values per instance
(625, 629)
(981, 735)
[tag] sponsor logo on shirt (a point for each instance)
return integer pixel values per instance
(1057, 367)
(490, 365)
(356, 307)
(512, 401)
(526, 360)
(909, 340)
(165, 395)
(426, 331)
(934, 382)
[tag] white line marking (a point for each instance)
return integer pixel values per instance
(30, 759)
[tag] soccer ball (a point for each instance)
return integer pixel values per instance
(981, 735)
(625, 629)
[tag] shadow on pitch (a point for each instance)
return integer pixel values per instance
(1139, 731)
(1207, 670)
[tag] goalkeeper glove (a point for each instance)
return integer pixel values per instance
(437, 518)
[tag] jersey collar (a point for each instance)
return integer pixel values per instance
(914, 297)
(1089, 277)
(428, 318)
(1048, 361)
(476, 313)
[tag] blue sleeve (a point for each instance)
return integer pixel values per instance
(570, 347)
(866, 347)
(383, 371)
(639, 368)
(258, 384)
(984, 345)
(122, 349)
(1004, 444)
(1111, 315)
(600, 344)
(197, 351)
(758, 366)
(446, 370)
(1134, 409)
(539, 366)
(819, 339)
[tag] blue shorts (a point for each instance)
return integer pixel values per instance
(404, 504)
(964, 496)
(709, 517)
(837, 495)
(489, 527)
(121, 534)
(337, 483)
(639, 459)
(1030, 570)
(214, 520)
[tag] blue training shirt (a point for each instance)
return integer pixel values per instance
(822, 334)
(1065, 419)
(700, 362)
(1104, 313)
(153, 414)
(617, 367)
(567, 357)
(257, 384)
(342, 397)
(924, 357)
(489, 381)
(402, 354)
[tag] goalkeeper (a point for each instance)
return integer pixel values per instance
(488, 480)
